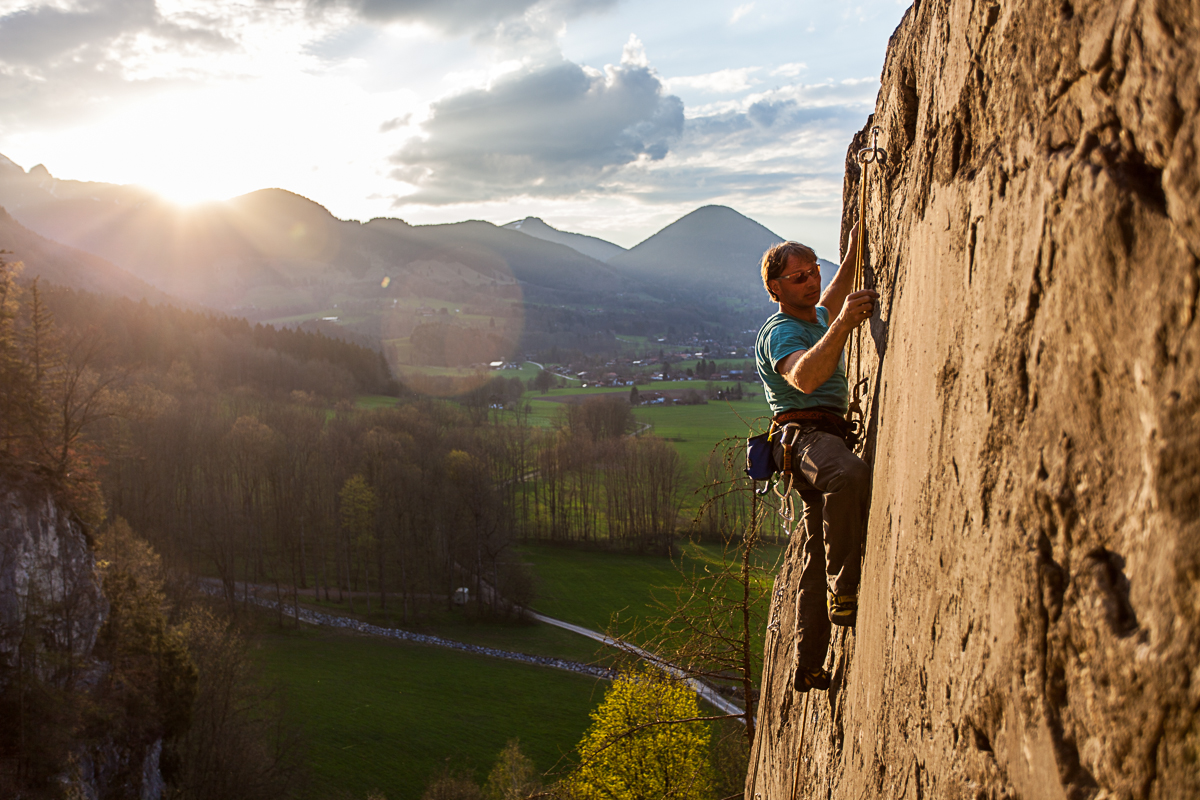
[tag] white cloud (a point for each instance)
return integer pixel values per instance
(789, 70)
(725, 81)
(740, 12)
(549, 131)
(479, 17)
(634, 53)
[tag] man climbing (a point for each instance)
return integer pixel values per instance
(800, 360)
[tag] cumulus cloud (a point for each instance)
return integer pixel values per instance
(396, 122)
(466, 16)
(725, 81)
(564, 130)
(789, 70)
(63, 59)
(765, 151)
(43, 36)
(549, 131)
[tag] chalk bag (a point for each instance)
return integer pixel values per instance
(760, 463)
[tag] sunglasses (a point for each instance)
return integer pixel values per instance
(798, 278)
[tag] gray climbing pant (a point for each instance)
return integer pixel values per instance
(835, 487)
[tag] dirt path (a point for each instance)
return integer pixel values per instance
(699, 687)
(261, 595)
(255, 596)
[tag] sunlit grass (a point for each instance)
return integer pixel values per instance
(589, 587)
(696, 430)
(629, 594)
(386, 716)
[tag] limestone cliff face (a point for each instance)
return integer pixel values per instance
(52, 610)
(1031, 584)
(50, 593)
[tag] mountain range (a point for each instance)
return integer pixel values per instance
(274, 255)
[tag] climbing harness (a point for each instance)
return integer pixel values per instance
(854, 415)
(761, 466)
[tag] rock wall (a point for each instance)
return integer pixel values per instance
(1028, 617)
(52, 607)
(50, 593)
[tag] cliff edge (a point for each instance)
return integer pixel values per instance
(1028, 613)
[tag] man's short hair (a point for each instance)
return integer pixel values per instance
(775, 260)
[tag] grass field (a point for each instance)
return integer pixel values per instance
(588, 587)
(385, 716)
(382, 716)
(696, 430)
(369, 402)
(504, 634)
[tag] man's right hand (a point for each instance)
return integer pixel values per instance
(857, 309)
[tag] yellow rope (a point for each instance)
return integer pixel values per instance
(864, 159)
(856, 348)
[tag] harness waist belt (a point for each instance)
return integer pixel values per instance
(800, 415)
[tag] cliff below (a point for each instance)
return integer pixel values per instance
(76, 723)
(1028, 612)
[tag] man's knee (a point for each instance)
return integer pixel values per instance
(854, 475)
(857, 472)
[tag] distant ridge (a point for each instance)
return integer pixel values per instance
(273, 254)
(66, 266)
(713, 245)
(590, 246)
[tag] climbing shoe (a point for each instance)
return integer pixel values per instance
(843, 609)
(810, 679)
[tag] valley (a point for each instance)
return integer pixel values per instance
(377, 418)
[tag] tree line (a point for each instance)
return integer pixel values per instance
(219, 352)
(163, 680)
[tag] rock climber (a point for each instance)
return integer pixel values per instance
(799, 355)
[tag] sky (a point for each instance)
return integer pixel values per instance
(606, 117)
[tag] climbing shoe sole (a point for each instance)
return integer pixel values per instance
(843, 609)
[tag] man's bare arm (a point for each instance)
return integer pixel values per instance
(842, 284)
(808, 369)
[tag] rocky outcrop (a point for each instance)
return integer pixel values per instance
(1028, 622)
(52, 612)
(50, 592)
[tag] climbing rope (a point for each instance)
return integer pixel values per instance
(854, 414)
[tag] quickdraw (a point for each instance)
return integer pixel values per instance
(787, 504)
(854, 415)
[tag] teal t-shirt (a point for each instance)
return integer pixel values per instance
(780, 336)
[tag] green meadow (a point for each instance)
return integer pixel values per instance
(383, 717)
(618, 592)
(696, 430)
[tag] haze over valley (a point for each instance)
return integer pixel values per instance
(275, 256)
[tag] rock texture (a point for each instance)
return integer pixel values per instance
(52, 609)
(1028, 622)
(50, 593)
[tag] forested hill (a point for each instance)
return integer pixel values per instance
(211, 351)
(68, 266)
